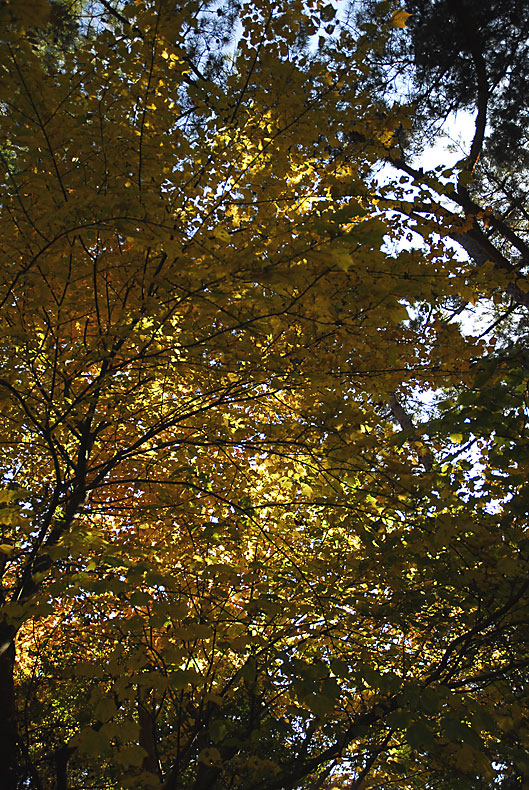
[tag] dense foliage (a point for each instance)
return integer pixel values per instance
(234, 553)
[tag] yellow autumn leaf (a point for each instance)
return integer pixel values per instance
(399, 18)
(221, 234)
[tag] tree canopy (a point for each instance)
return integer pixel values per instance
(263, 502)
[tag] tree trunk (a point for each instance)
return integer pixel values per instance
(9, 750)
(147, 736)
(62, 755)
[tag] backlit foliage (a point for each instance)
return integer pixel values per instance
(224, 565)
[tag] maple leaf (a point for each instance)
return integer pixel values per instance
(399, 18)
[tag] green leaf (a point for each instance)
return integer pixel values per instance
(91, 742)
(217, 730)
(105, 709)
(319, 704)
(131, 756)
(457, 730)
(419, 736)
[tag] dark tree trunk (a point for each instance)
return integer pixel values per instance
(147, 737)
(62, 755)
(9, 748)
